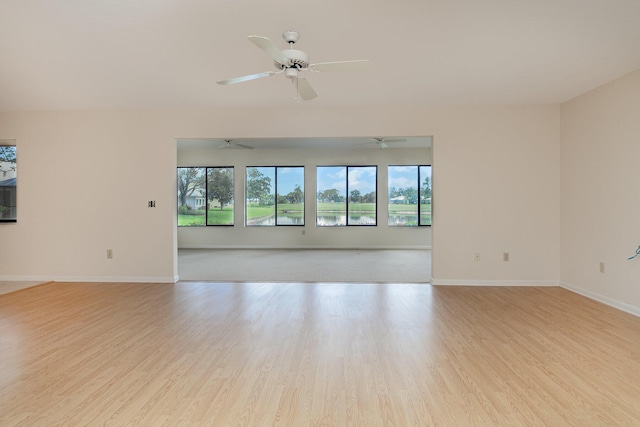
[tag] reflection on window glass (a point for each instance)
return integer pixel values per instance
(220, 196)
(192, 197)
(260, 196)
(346, 195)
(290, 195)
(8, 183)
(425, 195)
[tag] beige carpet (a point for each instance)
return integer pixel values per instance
(306, 265)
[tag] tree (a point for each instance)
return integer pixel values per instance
(394, 192)
(369, 197)
(297, 195)
(411, 194)
(425, 190)
(189, 180)
(330, 195)
(7, 159)
(258, 186)
(355, 196)
(220, 186)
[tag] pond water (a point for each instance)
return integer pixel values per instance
(328, 220)
(331, 220)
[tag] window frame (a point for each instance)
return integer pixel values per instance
(418, 188)
(206, 196)
(430, 198)
(9, 192)
(274, 185)
(347, 195)
(233, 196)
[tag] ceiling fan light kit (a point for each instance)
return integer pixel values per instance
(292, 62)
(382, 142)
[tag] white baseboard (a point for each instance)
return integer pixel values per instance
(103, 279)
(456, 282)
(25, 279)
(603, 299)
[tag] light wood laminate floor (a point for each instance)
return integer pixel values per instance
(289, 354)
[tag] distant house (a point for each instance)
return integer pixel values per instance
(197, 199)
(398, 200)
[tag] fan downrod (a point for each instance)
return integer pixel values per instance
(291, 36)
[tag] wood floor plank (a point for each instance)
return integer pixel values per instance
(303, 354)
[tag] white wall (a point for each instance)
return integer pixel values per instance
(85, 178)
(381, 236)
(495, 190)
(600, 193)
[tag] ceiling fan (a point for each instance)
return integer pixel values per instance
(229, 144)
(292, 63)
(382, 142)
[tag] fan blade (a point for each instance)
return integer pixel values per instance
(244, 146)
(383, 145)
(246, 78)
(268, 46)
(391, 140)
(360, 64)
(305, 90)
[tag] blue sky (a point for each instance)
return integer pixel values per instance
(361, 178)
(288, 178)
(403, 176)
(331, 177)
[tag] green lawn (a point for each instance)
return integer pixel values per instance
(362, 207)
(225, 216)
(331, 207)
(291, 207)
(254, 211)
(220, 217)
(190, 220)
(409, 208)
(403, 209)
(216, 217)
(341, 207)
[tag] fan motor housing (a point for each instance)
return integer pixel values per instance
(296, 59)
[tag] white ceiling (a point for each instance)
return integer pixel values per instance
(106, 54)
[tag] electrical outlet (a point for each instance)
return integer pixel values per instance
(505, 256)
(601, 267)
(476, 256)
(109, 253)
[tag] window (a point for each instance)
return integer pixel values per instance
(425, 195)
(205, 196)
(8, 183)
(275, 195)
(290, 196)
(191, 194)
(346, 195)
(220, 196)
(409, 197)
